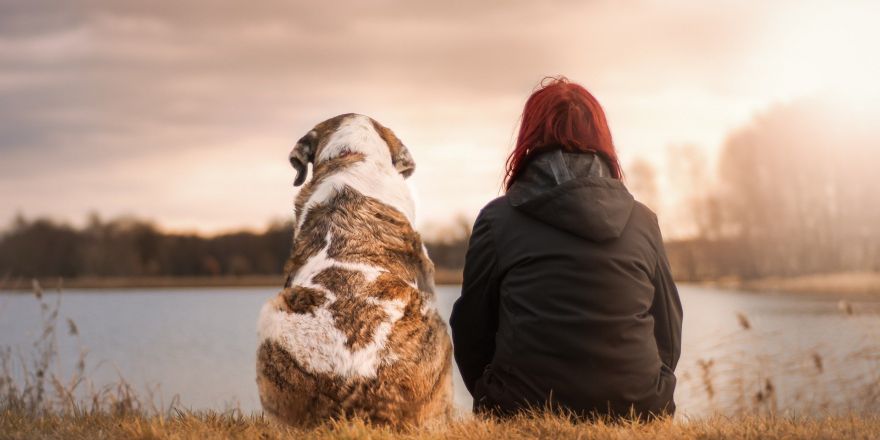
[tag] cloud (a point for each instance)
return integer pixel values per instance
(125, 101)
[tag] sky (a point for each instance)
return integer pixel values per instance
(184, 112)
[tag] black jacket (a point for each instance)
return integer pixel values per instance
(567, 297)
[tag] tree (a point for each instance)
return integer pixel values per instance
(642, 181)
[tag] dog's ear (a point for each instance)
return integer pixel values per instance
(403, 162)
(400, 157)
(303, 154)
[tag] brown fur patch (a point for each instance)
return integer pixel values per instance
(394, 143)
(390, 287)
(327, 128)
(342, 282)
(368, 231)
(354, 315)
(400, 156)
(299, 299)
(357, 319)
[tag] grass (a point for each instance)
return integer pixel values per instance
(208, 425)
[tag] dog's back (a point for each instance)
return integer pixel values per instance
(355, 331)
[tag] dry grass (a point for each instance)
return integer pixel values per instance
(34, 384)
(207, 425)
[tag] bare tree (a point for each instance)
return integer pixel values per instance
(642, 181)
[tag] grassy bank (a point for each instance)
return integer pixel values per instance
(846, 283)
(839, 283)
(206, 425)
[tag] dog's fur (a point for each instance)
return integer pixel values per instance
(355, 331)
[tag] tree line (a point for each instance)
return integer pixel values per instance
(130, 247)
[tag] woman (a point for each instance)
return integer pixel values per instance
(567, 300)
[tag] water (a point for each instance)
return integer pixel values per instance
(199, 343)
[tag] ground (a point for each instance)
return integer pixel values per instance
(207, 425)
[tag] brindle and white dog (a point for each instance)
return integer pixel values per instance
(355, 331)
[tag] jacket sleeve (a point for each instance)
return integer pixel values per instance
(474, 319)
(666, 311)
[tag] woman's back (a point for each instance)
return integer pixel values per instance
(567, 296)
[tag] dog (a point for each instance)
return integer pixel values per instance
(355, 332)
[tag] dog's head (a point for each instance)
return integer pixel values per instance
(346, 134)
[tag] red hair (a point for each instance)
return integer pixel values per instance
(561, 114)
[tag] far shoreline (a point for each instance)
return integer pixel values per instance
(441, 277)
(842, 284)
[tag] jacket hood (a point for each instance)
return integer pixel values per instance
(573, 192)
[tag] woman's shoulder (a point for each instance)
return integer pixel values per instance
(645, 220)
(642, 211)
(497, 208)
(496, 204)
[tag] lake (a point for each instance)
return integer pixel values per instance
(740, 350)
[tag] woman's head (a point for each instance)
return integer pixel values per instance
(561, 114)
